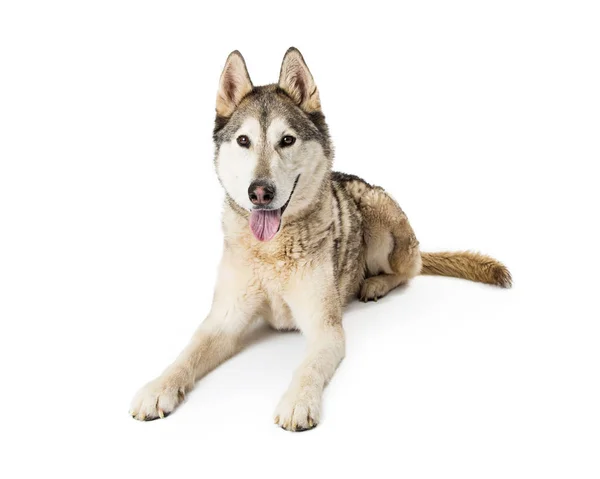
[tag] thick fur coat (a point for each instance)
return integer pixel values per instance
(300, 241)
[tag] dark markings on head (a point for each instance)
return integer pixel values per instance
(263, 167)
(267, 102)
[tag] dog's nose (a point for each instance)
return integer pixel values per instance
(261, 192)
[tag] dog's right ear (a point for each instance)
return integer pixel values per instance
(234, 85)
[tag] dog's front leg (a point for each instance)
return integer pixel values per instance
(235, 302)
(315, 305)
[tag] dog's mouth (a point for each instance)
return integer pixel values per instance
(265, 223)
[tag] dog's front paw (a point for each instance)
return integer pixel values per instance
(157, 399)
(298, 410)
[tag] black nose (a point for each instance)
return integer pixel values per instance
(261, 192)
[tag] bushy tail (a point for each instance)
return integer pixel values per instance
(467, 265)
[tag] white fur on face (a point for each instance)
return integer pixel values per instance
(285, 163)
(236, 164)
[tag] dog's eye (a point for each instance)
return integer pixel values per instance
(288, 140)
(243, 140)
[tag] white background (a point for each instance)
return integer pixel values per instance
(481, 118)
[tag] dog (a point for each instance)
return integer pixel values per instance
(300, 241)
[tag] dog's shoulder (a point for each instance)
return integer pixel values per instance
(354, 186)
(344, 178)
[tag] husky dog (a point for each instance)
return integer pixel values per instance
(300, 241)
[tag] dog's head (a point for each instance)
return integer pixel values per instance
(272, 145)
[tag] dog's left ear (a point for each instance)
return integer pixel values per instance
(296, 80)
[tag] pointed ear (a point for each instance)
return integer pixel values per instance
(234, 85)
(295, 79)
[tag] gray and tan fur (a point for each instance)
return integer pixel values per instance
(339, 237)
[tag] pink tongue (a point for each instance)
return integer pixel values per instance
(265, 223)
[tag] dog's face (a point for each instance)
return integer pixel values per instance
(272, 145)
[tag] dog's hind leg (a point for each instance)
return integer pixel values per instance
(235, 302)
(392, 250)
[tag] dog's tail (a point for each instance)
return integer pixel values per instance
(467, 265)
